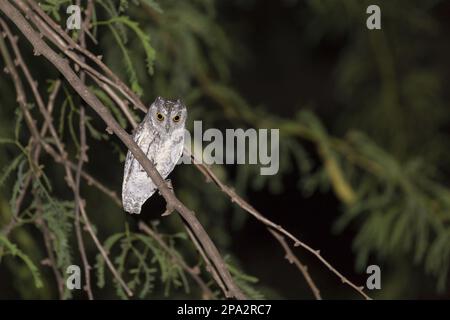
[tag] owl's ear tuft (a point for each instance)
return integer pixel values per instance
(159, 99)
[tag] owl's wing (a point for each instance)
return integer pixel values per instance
(137, 186)
(130, 162)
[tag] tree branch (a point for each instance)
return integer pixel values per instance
(193, 272)
(82, 158)
(290, 256)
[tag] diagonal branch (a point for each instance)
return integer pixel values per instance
(235, 198)
(290, 256)
(82, 158)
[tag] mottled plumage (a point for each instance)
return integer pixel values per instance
(161, 136)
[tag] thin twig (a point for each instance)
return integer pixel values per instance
(121, 103)
(82, 158)
(51, 256)
(21, 99)
(209, 265)
(193, 272)
(79, 203)
(290, 256)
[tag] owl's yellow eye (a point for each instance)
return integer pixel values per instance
(159, 116)
(176, 118)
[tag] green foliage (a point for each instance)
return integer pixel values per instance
(138, 260)
(8, 248)
(142, 36)
(53, 7)
(246, 283)
(109, 103)
(10, 168)
(405, 212)
(116, 25)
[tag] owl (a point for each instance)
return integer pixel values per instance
(161, 137)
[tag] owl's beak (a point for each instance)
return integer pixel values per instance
(167, 127)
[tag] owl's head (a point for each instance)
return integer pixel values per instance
(167, 115)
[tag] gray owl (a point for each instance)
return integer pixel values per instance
(161, 137)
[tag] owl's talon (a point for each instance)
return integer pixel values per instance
(169, 210)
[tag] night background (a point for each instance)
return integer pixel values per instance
(364, 149)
